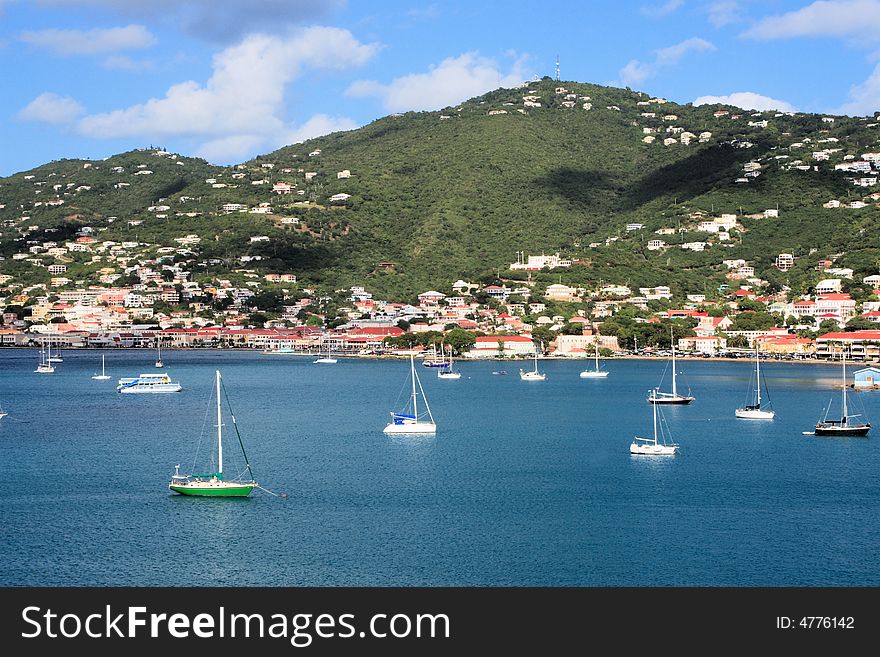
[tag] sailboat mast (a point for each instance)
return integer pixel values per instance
(674, 389)
(843, 362)
(597, 355)
(758, 372)
(102, 364)
(412, 367)
(219, 433)
(655, 422)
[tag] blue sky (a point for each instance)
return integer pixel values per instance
(229, 79)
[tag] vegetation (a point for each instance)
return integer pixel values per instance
(436, 196)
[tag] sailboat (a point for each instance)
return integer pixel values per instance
(657, 397)
(754, 411)
(446, 372)
(843, 426)
(56, 357)
(213, 484)
(656, 446)
(45, 366)
(534, 375)
(159, 362)
(103, 376)
(328, 358)
(435, 359)
(597, 373)
(409, 420)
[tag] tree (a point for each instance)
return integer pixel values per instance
(460, 340)
(829, 326)
(543, 334)
(500, 347)
(860, 324)
(738, 342)
(750, 304)
(257, 319)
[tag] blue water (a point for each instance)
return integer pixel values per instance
(524, 484)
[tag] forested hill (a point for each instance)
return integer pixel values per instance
(551, 166)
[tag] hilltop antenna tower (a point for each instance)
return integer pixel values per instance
(557, 68)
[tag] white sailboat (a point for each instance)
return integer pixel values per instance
(596, 373)
(533, 375)
(408, 421)
(754, 411)
(159, 362)
(656, 446)
(56, 357)
(435, 359)
(328, 358)
(45, 366)
(446, 372)
(103, 376)
(844, 426)
(657, 397)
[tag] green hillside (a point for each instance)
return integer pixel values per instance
(456, 193)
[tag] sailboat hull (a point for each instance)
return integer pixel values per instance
(650, 449)
(213, 489)
(754, 414)
(677, 399)
(593, 375)
(844, 431)
(412, 428)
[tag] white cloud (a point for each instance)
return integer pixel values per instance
(838, 18)
(747, 100)
(123, 63)
(864, 98)
(237, 148)
(222, 21)
(658, 11)
(241, 106)
(319, 124)
(636, 72)
(51, 108)
(91, 42)
(453, 80)
(724, 12)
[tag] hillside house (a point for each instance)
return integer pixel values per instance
(784, 261)
(659, 292)
(559, 292)
(829, 286)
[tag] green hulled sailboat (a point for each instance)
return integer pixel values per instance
(213, 484)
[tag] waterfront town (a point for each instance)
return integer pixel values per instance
(160, 305)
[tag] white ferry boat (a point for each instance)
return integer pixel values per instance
(149, 383)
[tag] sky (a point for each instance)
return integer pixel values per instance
(230, 79)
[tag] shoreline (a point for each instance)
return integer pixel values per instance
(312, 354)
